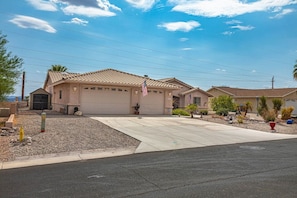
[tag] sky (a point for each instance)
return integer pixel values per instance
(204, 43)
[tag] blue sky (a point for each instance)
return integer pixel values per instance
(237, 43)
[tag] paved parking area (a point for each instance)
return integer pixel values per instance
(160, 133)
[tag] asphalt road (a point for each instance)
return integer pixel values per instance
(262, 169)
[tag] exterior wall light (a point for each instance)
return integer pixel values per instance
(74, 88)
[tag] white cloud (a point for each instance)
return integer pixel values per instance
(34, 23)
(253, 71)
(87, 11)
(282, 13)
(229, 8)
(228, 33)
(43, 5)
(243, 28)
(186, 49)
(232, 22)
(180, 26)
(142, 4)
(77, 21)
(183, 39)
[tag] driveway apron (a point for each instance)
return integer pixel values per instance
(160, 133)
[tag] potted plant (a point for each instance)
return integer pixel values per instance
(136, 108)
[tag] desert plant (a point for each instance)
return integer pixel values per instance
(248, 106)
(269, 116)
(263, 108)
(287, 113)
(240, 119)
(277, 104)
(180, 112)
(191, 108)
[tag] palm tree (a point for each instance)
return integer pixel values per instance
(295, 71)
(58, 68)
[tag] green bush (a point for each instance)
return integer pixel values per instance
(223, 104)
(204, 112)
(222, 111)
(180, 112)
(287, 113)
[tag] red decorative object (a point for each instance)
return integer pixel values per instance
(272, 125)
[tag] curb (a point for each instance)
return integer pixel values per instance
(65, 157)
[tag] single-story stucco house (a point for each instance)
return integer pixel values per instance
(188, 94)
(241, 96)
(108, 91)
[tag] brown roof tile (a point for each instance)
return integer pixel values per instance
(238, 92)
(110, 77)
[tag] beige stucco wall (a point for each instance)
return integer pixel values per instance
(190, 100)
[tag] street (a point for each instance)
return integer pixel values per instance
(261, 169)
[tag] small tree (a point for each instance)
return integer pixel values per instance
(191, 108)
(277, 104)
(10, 69)
(248, 106)
(263, 108)
(222, 104)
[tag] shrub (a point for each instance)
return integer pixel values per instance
(240, 119)
(180, 112)
(269, 116)
(223, 104)
(222, 111)
(204, 112)
(286, 113)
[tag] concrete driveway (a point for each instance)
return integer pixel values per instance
(160, 133)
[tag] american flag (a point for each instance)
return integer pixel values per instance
(144, 88)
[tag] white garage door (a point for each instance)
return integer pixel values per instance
(292, 103)
(153, 103)
(105, 100)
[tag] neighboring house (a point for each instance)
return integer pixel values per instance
(188, 95)
(108, 91)
(241, 96)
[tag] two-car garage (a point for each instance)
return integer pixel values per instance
(117, 100)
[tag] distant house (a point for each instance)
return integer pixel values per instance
(108, 91)
(241, 96)
(188, 94)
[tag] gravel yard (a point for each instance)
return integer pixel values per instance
(64, 133)
(69, 133)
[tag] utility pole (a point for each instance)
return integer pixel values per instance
(23, 86)
(272, 81)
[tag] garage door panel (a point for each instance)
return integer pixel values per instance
(153, 103)
(105, 100)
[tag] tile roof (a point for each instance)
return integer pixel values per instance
(238, 92)
(108, 77)
(196, 89)
(175, 80)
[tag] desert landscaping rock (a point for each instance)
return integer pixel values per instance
(63, 133)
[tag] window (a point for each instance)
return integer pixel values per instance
(197, 101)
(60, 94)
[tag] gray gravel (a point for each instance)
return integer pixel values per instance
(67, 133)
